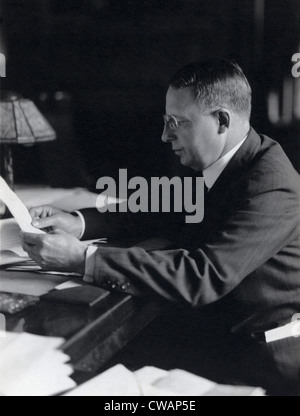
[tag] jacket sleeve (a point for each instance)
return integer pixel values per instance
(119, 226)
(252, 234)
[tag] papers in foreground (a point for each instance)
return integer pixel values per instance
(33, 366)
(151, 381)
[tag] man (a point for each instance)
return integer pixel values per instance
(241, 265)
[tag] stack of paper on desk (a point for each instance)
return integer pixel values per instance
(11, 251)
(33, 366)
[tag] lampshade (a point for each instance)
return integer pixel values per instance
(22, 123)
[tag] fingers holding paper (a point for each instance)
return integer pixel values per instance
(44, 211)
(51, 218)
(56, 252)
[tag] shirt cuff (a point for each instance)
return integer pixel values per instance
(82, 223)
(90, 263)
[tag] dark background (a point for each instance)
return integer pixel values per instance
(99, 70)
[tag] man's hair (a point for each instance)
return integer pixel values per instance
(217, 83)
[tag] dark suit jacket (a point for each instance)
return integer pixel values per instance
(243, 260)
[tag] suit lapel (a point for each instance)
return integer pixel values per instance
(218, 199)
(239, 164)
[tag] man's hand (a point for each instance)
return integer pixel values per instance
(48, 217)
(56, 252)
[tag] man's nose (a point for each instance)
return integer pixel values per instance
(168, 135)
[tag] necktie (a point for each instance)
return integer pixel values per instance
(206, 189)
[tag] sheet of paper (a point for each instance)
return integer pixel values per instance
(96, 242)
(9, 257)
(31, 284)
(151, 381)
(33, 366)
(10, 237)
(17, 208)
(118, 381)
(150, 375)
(39, 270)
(11, 251)
(185, 384)
(70, 284)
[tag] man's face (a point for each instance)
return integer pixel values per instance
(197, 141)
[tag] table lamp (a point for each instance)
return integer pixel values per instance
(21, 123)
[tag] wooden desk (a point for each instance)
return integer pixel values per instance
(93, 335)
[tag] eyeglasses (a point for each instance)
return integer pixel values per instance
(173, 123)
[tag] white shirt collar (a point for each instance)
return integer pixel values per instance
(213, 172)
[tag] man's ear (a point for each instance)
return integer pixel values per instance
(224, 120)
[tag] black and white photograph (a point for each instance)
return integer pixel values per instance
(149, 201)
